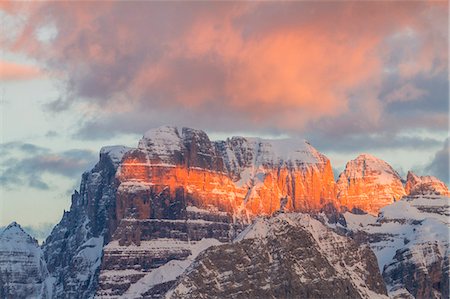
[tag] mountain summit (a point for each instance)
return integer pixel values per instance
(369, 183)
(143, 216)
(23, 272)
(424, 184)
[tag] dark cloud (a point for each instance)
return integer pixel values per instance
(51, 134)
(431, 97)
(439, 166)
(29, 148)
(361, 143)
(29, 169)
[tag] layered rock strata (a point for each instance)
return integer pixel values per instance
(411, 241)
(369, 183)
(23, 271)
(286, 256)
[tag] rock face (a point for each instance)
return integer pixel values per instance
(23, 272)
(139, 210)
(287, 256)
(369, 183)
(411, 241)
(147, 255)
(73, 251)
(178, 189)
(143, 215)
(416, 185)
(242, 176)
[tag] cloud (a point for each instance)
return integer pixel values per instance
(439, 166)
(340, 69)
(28, 169)
(5, 148)
(406, 93)
(360, 143)
(10, 71)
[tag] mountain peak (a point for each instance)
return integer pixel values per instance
(368, 165)
(14, 234)
(22, 265)
(162, 131)
(369, 183)
(15, 228)
(416, 185)
(13, 224)
(366, 156)
(115, 152)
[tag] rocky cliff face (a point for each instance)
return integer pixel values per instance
(410, 239)
(286, 256)
(73, 251)
(369, 183)
(416, 185)
(143, 215)
(23, 272)
(241, 176)
(178, 189)
(147, 255)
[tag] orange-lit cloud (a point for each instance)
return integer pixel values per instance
(14, 72)
(293, 66)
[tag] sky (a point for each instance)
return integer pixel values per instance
(350, 77)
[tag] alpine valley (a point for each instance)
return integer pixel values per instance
(181, 216)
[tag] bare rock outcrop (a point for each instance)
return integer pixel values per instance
(369, 183)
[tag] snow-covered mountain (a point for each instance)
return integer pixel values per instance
(241, 176)
(416, 185)
(286, 256)
(411, 241)
(23, 271)
(143, 215)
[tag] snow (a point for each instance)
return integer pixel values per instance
(210, 210)
(328, 242)
(162, 141)
(382, 172)
(284, 150)
(275, 151)
(21, 255)
(356, 222)
(89, 257)
(403, 222)
(14, 238)
(258, 230)
(115, 152)
(169, 271)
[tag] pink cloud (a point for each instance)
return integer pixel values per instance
(10, 71)
(284, 66)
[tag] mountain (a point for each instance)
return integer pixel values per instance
(369, 183)
(424, 185)
(285, 256)
(74, 249)
(140, 208)
(241, 176)
(178, 189)
(411, 241)
(23, 271)
(143, 216)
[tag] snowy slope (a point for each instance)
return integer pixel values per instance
(23, 272)
(288, 255)
(411, 241)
